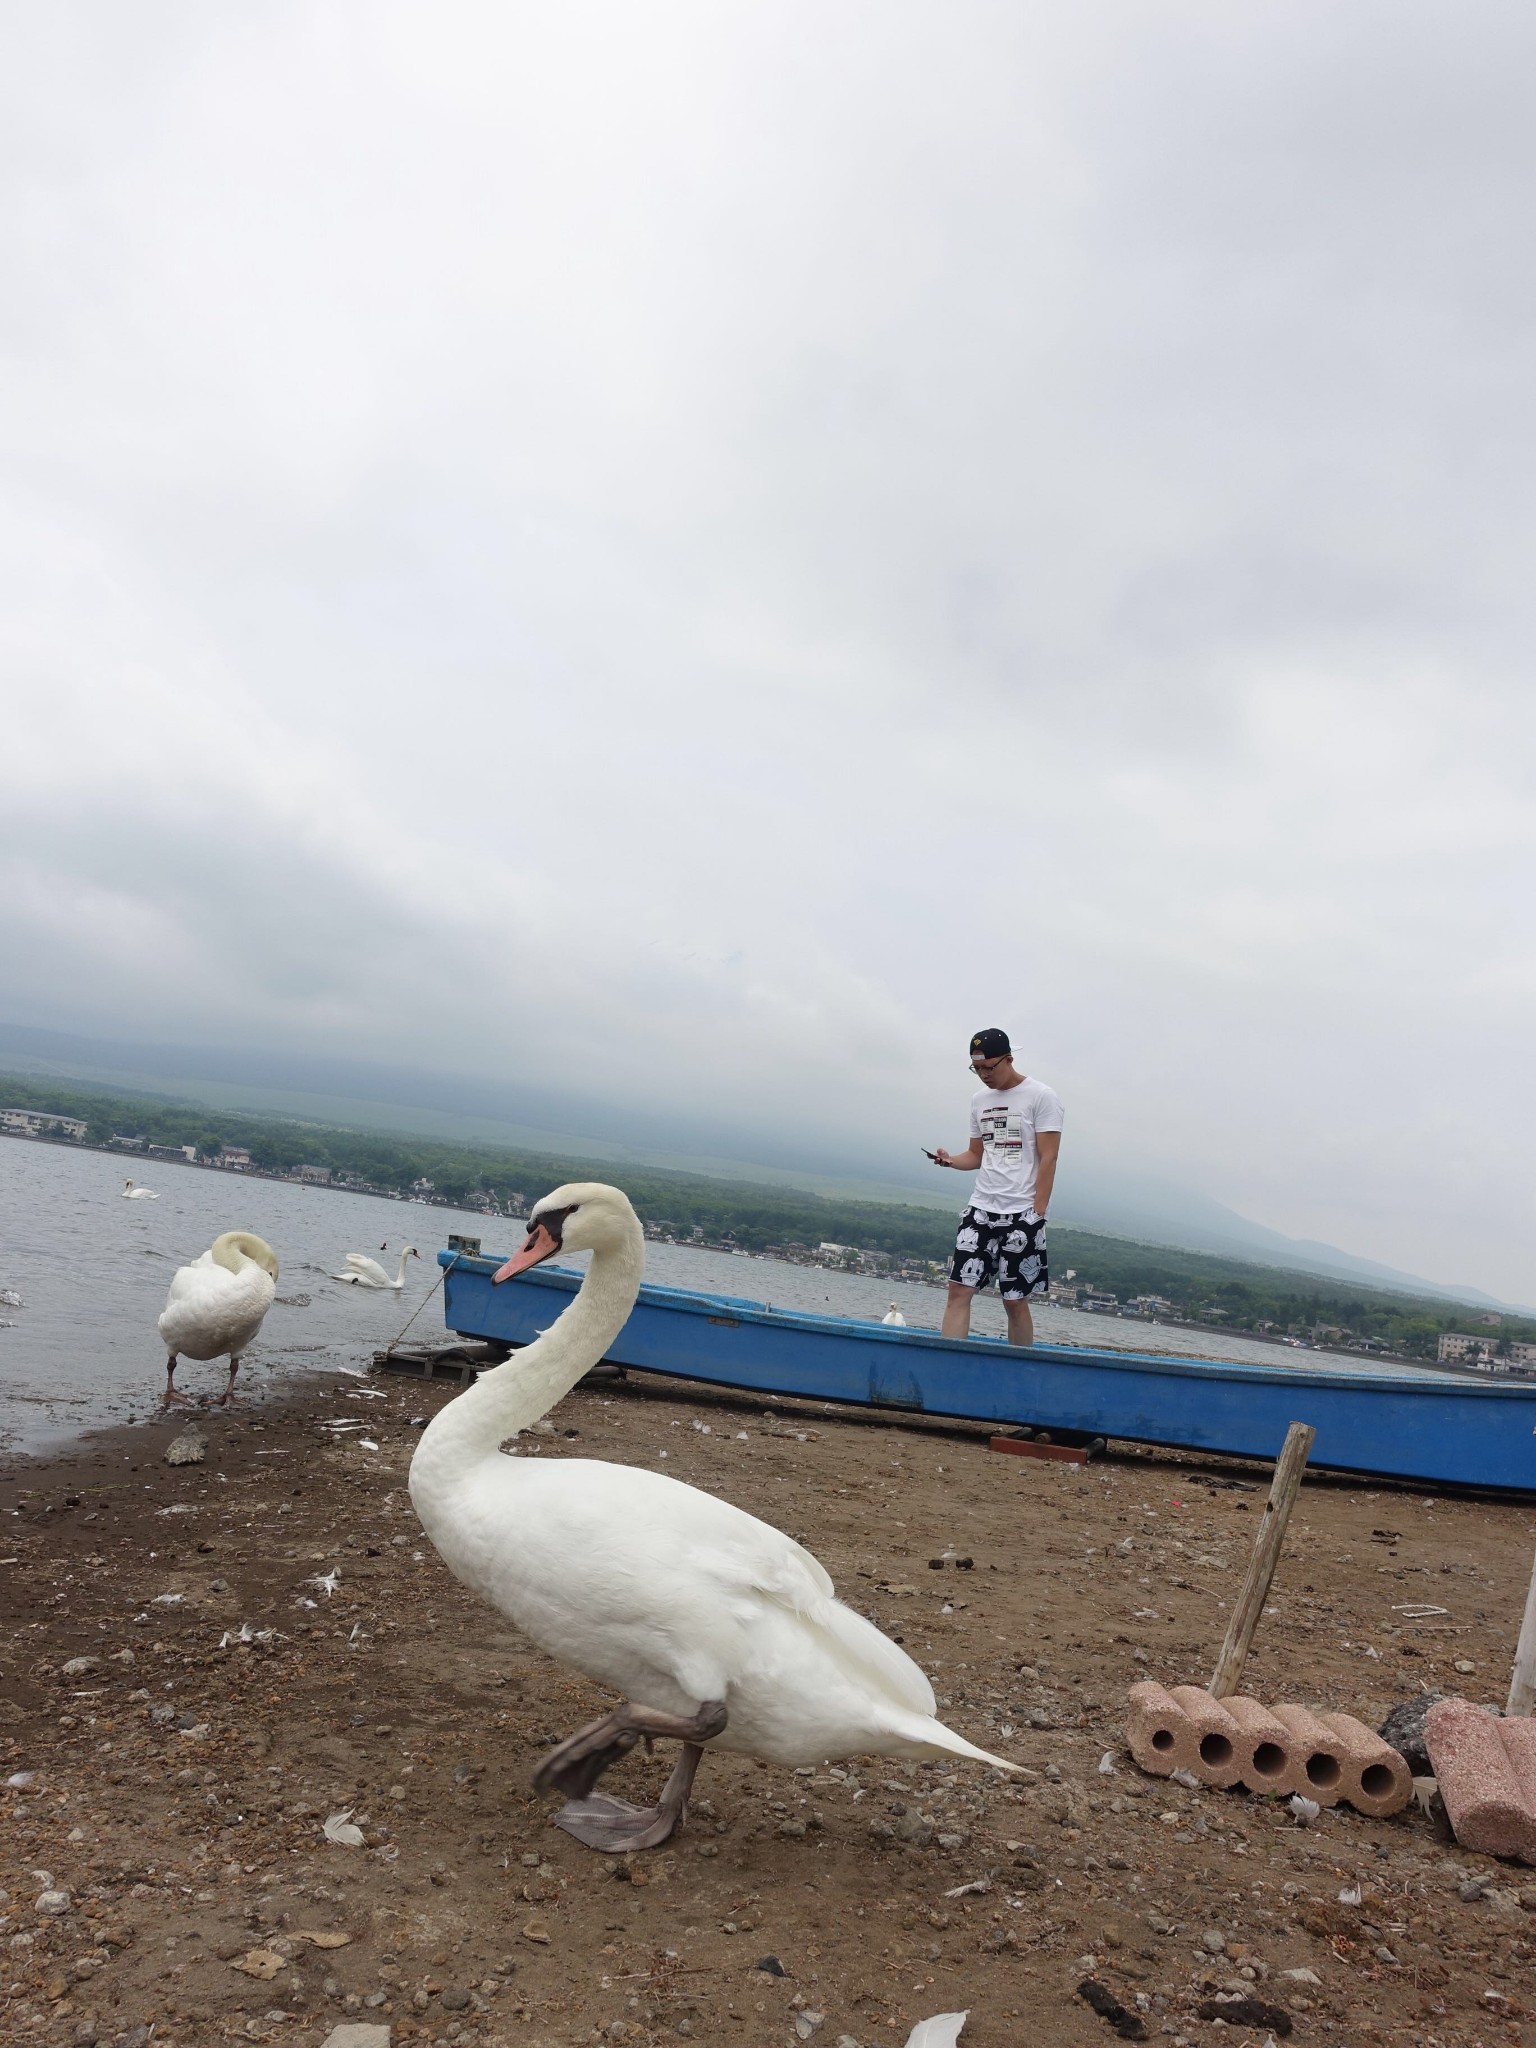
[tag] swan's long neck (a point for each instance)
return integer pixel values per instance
(400, 1276)
(507, 1399)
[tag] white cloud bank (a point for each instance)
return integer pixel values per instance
(702, 553)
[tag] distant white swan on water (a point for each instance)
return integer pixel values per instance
(136, 1194)
(365, 1272)
(714, 1626)
(894, 1315)
(216, 1305)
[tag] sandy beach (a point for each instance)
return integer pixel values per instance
(168, 1794)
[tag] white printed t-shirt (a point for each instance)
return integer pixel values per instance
(1006, 1120)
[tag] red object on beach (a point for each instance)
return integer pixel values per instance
(1062, 1454)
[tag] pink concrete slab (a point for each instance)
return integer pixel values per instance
(1317, 1765)
(1265, 1747)
(1376, 1779)
(1486, 1770)
(1218, 1738)
(1159, 1735)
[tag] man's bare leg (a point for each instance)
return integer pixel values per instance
(957, 1312)
(1021, 1324)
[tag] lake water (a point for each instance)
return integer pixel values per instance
(92, 1271)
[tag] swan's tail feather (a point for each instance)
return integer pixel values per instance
(877, 1659)
(932, 1737)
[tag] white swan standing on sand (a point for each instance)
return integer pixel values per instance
(714, 1626)
(135, 1194)
(217, 1304)
(365, 1272)
(894, 1315)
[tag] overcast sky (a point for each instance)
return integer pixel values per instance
(701, 553)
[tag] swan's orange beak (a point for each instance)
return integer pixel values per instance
(541, 1245)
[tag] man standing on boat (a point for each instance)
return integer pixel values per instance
(1015, 1137)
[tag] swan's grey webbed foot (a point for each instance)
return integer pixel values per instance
(613, 1824)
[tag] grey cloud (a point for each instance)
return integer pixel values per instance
(766, 537)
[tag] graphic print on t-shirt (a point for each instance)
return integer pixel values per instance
(1002, 1134)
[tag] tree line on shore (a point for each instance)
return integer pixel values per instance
(1197, 1286)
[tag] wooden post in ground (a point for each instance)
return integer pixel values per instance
(1522, 1682)
(1266, 1555)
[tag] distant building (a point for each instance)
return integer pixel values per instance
(1489, 1317)
(188, 1152)
(39, 1123)
(128, 1144)
(1523, 1355)
(1091, 1298)
(1456, 1347)
(234, 1155)
(318, 1176)
(1150, 1304)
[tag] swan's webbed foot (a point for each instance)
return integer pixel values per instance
(173, 1396)
(615, 1826)
(577, 1764)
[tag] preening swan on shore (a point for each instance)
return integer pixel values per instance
(714, 1626)
(137, 1194)
(365, 1272)
(216, 1305)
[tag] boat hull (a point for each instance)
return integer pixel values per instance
(1407, 1424)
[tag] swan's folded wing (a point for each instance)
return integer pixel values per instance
(781, 1571)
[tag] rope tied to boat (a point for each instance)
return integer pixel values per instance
(442, 1276)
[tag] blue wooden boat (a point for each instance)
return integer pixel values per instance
(1433, 1427)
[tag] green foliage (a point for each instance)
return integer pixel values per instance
(1251, 1296)
(1231, 1292)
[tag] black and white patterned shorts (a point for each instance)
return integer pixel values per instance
(1008, 1249)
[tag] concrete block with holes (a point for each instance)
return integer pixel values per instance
(1486, 1770)
(1331, 1758)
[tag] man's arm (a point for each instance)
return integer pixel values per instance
(967, 1161)
(1047, 1149)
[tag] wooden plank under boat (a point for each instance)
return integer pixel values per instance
(1398, 1422)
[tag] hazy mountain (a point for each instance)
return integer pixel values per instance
(368, 1095)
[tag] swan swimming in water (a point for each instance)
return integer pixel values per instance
(894, 1315)
(217, 1304)
(134, 1194)
(714, 1626)
(365, 1272)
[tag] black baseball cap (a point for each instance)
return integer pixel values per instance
(990, 1045)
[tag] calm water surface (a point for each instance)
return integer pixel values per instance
(92, 1271)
